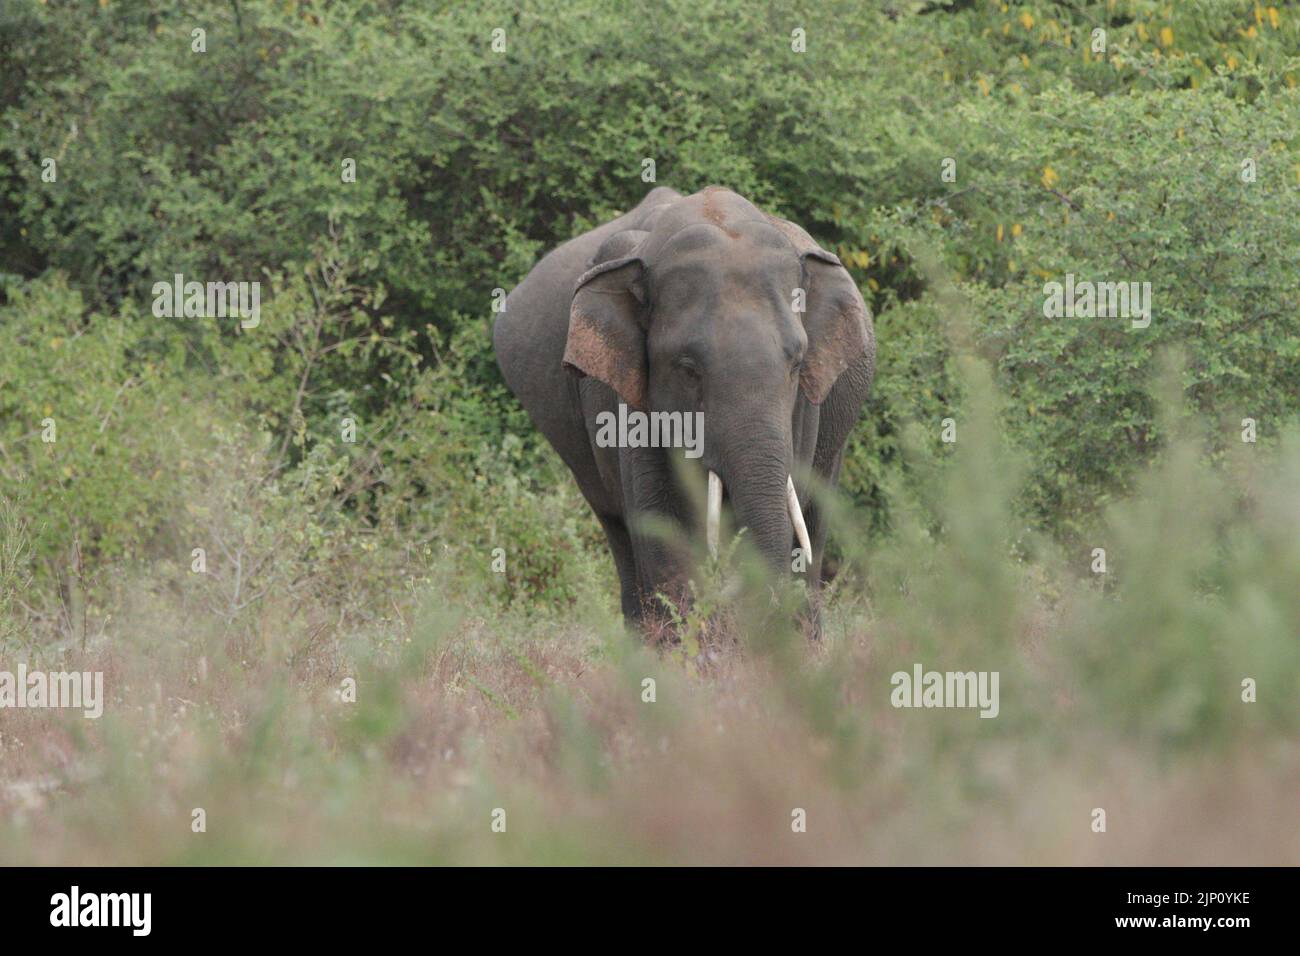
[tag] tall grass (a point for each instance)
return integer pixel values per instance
(1120, 691)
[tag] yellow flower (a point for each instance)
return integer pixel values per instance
(1232, 62)
(1273, 17)
(999, 232)
(1016, 230)
(984, 85)
(1142, 32)
(1166, 36)
(1049, 177)
(1027, 20)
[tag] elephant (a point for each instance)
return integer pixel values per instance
(706, 305)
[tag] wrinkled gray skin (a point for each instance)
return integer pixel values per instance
(685, 304)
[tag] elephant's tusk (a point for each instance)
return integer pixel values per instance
(714, 516)
(796, 516)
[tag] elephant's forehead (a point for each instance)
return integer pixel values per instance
(704, 254)
(718, 213)
(715, 281)
(707, 236)
(704, 290)
(748, 245)
(714, 204)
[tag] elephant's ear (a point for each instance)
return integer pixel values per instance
(837, 320)
(606, 337)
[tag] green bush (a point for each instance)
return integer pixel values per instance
(1123, 165)
(85, 430)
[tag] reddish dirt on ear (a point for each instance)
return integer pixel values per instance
(591, 352)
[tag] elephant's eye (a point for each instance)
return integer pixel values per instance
(688, 367)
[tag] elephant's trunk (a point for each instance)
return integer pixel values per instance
(714, 515)
(759, 489)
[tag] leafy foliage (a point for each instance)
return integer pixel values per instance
(1114, 164)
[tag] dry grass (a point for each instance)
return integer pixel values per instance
(458, 715)
(1119, 691)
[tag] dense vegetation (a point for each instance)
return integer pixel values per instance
(957, 155)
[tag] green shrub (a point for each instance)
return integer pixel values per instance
(470, 163)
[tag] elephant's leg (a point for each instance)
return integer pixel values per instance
(620, 546)
(657, 518)
(816, 518)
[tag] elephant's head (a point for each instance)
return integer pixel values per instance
(716, 307)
